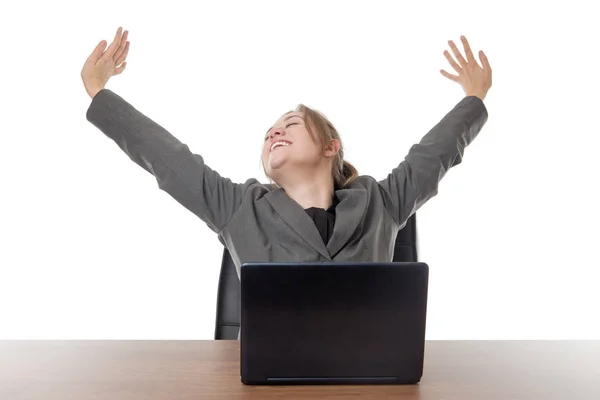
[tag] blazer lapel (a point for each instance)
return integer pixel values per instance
(348, 214)
(297, 219)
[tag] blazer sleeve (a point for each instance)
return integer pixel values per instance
(179, 172)
(416, 179)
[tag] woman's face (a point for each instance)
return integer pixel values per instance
(288, 145)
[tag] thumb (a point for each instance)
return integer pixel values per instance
(97, 53)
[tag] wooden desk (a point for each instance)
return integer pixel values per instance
(132, 370)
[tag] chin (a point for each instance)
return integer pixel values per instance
(275, 163)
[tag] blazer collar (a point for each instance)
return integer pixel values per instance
(348, 214)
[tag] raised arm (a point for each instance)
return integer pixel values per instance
(177, 170)
(416, 179)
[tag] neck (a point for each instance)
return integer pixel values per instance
(312, 190)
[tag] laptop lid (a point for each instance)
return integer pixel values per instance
(333, 322)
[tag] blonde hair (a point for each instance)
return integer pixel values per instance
(343, 172)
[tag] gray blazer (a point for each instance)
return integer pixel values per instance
(260, 223)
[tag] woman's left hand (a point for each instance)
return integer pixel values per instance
(475, 80)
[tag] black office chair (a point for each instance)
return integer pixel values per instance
(228, 294)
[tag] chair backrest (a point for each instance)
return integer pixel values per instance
(228, 294)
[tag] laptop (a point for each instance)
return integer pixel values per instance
(333, 323)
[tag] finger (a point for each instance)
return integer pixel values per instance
(457, 54)
(121, 46)
(123, 55)
(484, 61)
(119, 69)
(110, 52)
(97, 53)
(467, 47)
(449, 75)
(453, 63)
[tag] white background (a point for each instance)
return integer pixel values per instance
(91, 248)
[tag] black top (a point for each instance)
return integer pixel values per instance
(324, 219)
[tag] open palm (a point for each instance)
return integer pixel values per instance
(104, 63)
(476, 80)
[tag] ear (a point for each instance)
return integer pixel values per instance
(332, 149)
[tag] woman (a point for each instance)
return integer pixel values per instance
(317, 207)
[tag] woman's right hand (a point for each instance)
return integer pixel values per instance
(101, 65)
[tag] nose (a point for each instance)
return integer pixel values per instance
(276, 132)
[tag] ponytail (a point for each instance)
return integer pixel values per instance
(344, 177)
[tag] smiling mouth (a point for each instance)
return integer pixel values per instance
(279, 144)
